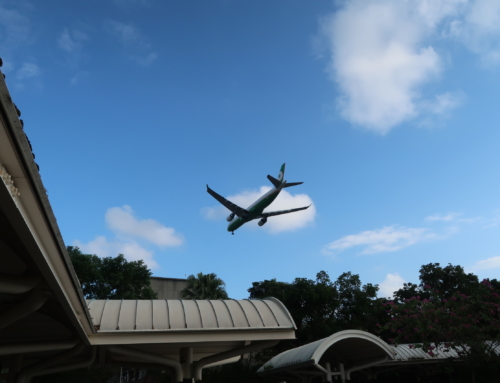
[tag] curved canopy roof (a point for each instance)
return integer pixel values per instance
(352, 346)
(190, 315)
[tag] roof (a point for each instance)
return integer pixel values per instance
(188, 315)
(168, 279)
(407, 354)
(354, 346)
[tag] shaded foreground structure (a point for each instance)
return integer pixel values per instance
(347, 353)
(46, 325)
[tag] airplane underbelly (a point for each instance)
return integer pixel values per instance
(236, 224)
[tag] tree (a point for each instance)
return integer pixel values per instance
(321, 307)
(467, 323)
(446, 280)
(111, 278)
(204, 286)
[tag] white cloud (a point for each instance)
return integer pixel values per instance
(379, 59)
(479, 30)
(132, 251)
(440, 217)
(382, 54)
(386, 239)
(132, 235)
(486, 264)
(28, 70)
(391, 283)
(122, 221)
(285, 200)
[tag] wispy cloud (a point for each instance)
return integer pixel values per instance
(381, 55)
(451, 217)
(130, 37)
(71, 41)
(391, 284)
(16, 28)
(285, 200)
(145, 60)
(27, 70)
(127, 34)
(16, 33)
(443, 217)
(386, 239)
(131, 237)
(486, 264)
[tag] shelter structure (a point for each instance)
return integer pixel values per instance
(349, 352)
(47, 326)
(339, 355)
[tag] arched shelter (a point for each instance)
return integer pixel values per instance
(338, 355)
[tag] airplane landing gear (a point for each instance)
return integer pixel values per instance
(232, 233)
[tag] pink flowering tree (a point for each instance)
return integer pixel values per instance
(467, 324)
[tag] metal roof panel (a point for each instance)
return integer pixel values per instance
(144, 319)
(110, 315)
(127, 315)
(209, 320)
(177, 316)
(160, 315)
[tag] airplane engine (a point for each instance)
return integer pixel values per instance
(230, 217)
(262, 221)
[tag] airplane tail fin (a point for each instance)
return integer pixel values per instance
(281, 176)
(278, 182)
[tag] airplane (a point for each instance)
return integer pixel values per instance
(255, 210)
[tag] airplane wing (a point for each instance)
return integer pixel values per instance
(279, 212)
(240, 212)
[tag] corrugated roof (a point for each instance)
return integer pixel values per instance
(408, 353)
(311, 353)
(190, 315)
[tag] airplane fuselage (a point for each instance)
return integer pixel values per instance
(255, 209)
(239, 216)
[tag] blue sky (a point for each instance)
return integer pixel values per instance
(387, 110)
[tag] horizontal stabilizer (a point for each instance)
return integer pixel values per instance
(274, 181)
(288, 184)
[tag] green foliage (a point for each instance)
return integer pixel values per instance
(446, 280)
(466, 323)
(111, 278)
(322, 307)
(204, 286)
